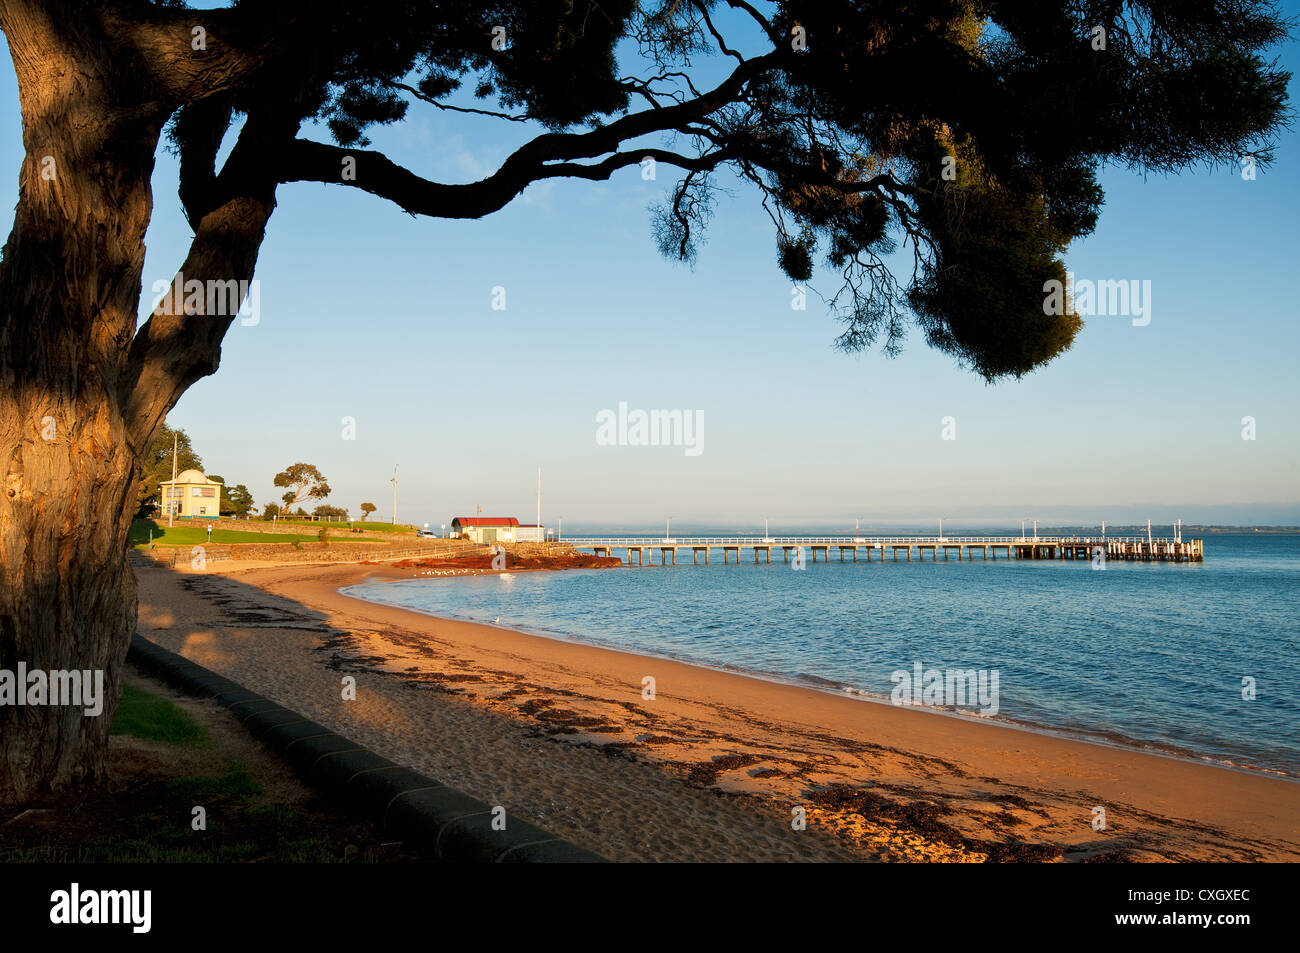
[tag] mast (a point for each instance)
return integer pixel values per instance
(171, 507)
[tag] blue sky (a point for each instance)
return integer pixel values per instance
(370, 314)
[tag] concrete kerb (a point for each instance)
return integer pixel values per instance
(438, 819)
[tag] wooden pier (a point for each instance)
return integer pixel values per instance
(819, 548)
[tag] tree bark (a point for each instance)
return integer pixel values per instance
(81, 394)
(69, 289)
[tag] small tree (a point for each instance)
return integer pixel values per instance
(235, 500)
(270, 511)
(366, 510)
(241, 499)
(325, 511)
(304, 482)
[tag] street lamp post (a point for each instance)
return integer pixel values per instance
(171, 508)
(394, 482)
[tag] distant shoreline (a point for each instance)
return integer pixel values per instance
(1188, 529)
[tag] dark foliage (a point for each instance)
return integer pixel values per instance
(968, 132)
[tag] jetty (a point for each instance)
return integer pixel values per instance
(819, 548)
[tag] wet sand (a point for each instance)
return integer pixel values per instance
(717, 766)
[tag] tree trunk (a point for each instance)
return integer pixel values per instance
(70, 285)
(81, 394)
(68, 600)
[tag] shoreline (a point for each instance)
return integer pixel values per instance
(1102, 737)
(563, 726)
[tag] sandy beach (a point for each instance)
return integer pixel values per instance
(717, 766)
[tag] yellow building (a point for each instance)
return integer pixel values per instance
(191, 496)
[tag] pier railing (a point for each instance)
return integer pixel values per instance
(1129, 548)
(618, 542)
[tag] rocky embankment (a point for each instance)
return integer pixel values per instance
(518, 559)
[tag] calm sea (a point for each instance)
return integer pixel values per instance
(1149, 655)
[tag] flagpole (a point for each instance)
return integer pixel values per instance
(171, 507)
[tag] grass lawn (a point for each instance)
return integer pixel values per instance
(170, 754)
(383, 527)
(355, 524)
(197, 535)
(154, 718)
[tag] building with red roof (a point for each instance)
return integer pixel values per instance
(485, 529)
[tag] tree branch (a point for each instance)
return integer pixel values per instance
(233, 45)
(448, 107)
(377, 174)
(547, 156)
(178, 345)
